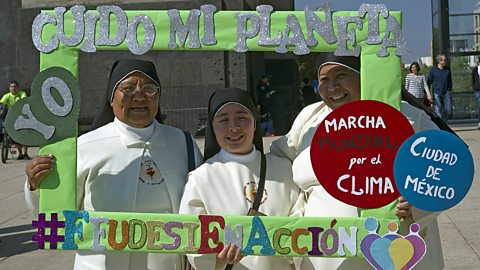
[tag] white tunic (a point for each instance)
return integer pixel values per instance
(122, 169)
(296, 146)
(226, 184)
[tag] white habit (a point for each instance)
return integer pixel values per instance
(226, 184)
(296, 147)
(123, 169)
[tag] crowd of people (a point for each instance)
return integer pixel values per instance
(130, 162)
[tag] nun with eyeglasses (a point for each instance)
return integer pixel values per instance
(129, 162)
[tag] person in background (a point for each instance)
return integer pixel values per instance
(315, 87)
(308, 93)
(129, 162)
(266, 123)
(229, 182)
(416, 84)
(339, 84)
(3, 115)
(263, 95)
(9, 99)
(440, 82)
(476, 88)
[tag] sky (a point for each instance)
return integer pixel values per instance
(417, 20)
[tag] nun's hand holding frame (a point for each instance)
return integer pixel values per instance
(60, 38)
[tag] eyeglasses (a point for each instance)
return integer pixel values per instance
(130, 89)
(443, 60)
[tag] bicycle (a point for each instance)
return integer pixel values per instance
(8, 147)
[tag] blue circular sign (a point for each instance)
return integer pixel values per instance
(433, 170)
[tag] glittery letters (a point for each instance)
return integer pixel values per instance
(71, 229)
(206, 234)
(261, 240)
(323, 28)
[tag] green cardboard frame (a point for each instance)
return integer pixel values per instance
(57, 196)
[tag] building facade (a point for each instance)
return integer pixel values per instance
(456, 33)
(188, 77)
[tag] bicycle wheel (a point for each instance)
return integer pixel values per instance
(5, 148)
(13, 151)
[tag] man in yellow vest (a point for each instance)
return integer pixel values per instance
(9, 99)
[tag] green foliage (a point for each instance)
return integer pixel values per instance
(461, 74)
(460, 69)
(425, 70)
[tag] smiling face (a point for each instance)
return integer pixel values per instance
(414, 69)
(338, 85)
(234, 128)
(137, 110)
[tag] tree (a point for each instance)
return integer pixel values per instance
(461, 74)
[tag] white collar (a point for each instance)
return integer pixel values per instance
(226, 156)
(143, 134)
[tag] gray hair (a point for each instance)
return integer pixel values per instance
(439, 56)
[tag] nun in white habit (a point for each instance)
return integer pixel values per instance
(129, 162)
(339, 83)
(228, 182)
